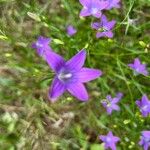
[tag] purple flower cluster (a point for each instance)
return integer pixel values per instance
(138, 67)
(104, 27)
(71, 75)
(145, 140)
(94, 8)
(109, 140)
(144, 105)
(71, 30)
(42, 45)
(111, 103)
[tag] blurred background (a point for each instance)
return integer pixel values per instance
(28, 120)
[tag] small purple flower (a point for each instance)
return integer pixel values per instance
(104, 27)
(144, 105)
(113, 4)
(138, 67)
(111, 103)
(70, 75)
(145, 140)
(71, 30)
(42, 45)
(92, 7)
(110, 140)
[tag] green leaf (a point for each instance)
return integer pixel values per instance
(34, 16)
(97, 147)
(57, 41)
(3, 37)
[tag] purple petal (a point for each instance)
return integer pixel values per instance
(116, 139)
(104, 19)
(146, 146)
(141, 142)
(145, 99)
(98, 14)
(85, 2)
(57, 89)
(113, 146)
(85, 12)
(109, 110)
(102, 137)
(101, 4)
(108, 34)
(54, 60)
(78, 90)
(96, 25)
(131, 66)
(115, 100)
(34, 45)
(119, 95)
(137, 62)
(42, 45)
(110, 134)
(87, 74)
(144, 113)
(108, 97)
(104, 103)
(100, 34)
(115, 107)
(113, 4)
(110, 25)
(138, 103)
(77, 61)
(71, 30)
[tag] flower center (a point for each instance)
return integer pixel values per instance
(64, 76)
(102, 29)
(145, 108)
(39, 45)
(108, 139)
(94, 10)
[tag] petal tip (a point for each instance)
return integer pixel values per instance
(51, 99)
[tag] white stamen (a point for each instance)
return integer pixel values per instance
(63, 76)
(144, 107)
(94, 10)
(39, 45)
(108, 139)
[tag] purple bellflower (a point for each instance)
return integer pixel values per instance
(71, 30)
(104, 27)
(109, 140)
(145, 140)
(111, 103)
(42, 45)
(144, 105)
(92, 7)
(138, 67)
(70, 75)
(113, 4)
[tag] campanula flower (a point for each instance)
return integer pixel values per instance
(71, 30)
(113, 4)
(109, 140)
(92, 7)
(104, 27)
(145, 140)
(138, 67)
(144, 105)
(42, 45)
(70, 75)
(111, 103)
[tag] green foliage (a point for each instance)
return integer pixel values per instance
(27, 119)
